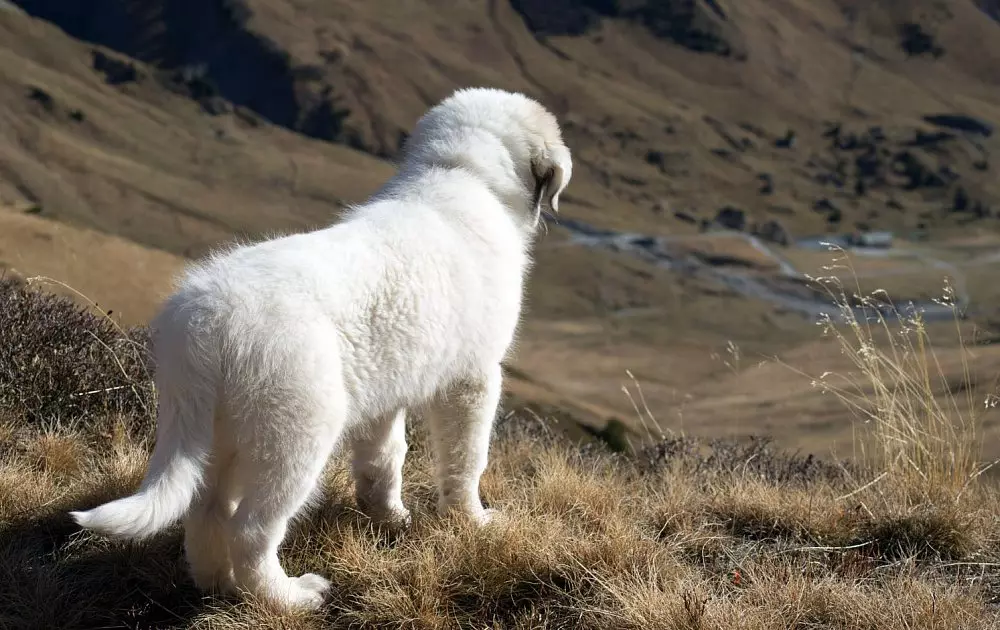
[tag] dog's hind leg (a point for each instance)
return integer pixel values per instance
(276, 488)
(284, 439)
(206, 545)
(377, 466)
(461, 420)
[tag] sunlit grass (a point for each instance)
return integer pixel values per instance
(680, 535)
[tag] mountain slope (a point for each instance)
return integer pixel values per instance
(658, 115)
(86, 263)
(138, 160)
(178, 125)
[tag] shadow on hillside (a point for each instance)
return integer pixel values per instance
(57, 576)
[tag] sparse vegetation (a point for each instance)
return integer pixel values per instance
(688, 534)
(920, 426)
(61, 362)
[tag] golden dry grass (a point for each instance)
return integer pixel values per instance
(921, 424)
(591, 541)
(685, 534)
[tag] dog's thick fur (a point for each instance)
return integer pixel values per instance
(270, 355)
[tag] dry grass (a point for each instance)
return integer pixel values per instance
(919, 427)
(686, 535)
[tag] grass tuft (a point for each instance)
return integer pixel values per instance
(916, 425)
(60, 361)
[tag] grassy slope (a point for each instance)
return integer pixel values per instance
(147, 164)
(172, 177)
(687, 535)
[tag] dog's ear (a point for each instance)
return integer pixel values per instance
(551, 169)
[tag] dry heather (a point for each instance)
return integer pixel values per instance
(685, 535)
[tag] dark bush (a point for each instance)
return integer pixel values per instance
(754, 457)
(58, 360)
(915, 41)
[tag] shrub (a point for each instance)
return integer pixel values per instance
(59, 360)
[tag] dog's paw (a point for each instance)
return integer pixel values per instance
(398, 521)
(489, 517)
(313, 583)
(481, 517)
(306, 592)
(393, 517)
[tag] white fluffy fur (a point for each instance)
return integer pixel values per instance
(269, 355)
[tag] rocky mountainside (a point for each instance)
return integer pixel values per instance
(176, 125)
(818, 114)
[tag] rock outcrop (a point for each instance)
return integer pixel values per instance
(698, 25)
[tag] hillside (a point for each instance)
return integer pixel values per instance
(77, 262)
(680, 445)
(143, 162)
(177, 125)
(664, 102)
(686, 534)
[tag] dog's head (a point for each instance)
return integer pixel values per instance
(507, 139)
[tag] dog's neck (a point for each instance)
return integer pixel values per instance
(485, 156)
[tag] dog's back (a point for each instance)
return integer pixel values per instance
(415, 288)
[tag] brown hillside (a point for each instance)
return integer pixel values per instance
(88, 263)
(142, 162)
(178, 125)
(656, 125)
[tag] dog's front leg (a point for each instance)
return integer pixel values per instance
(461, 419)
(379, 452)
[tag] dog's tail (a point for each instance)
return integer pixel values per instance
(186, 384)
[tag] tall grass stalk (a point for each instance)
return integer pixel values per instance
(916, 426)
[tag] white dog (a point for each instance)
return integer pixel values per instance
(268, 355)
